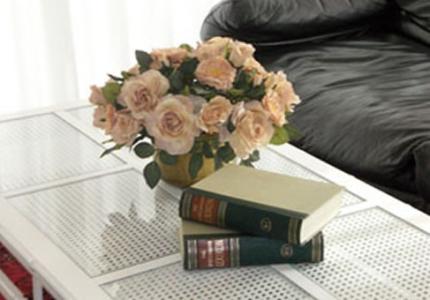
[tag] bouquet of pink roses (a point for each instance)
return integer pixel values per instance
(215, 101)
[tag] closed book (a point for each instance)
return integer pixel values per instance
(262, 203)
(206, 247)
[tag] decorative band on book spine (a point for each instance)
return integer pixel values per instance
(203, 209)
(294, 231)
(213, 253)
(317, 245)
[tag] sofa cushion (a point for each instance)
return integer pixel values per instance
(365, 105)
(415, 19)
(290, 21)
(417, 10)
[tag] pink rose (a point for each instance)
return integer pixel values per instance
(253, 129)
(172, 124)
(168, 56)
(125, 128)
(216, 46)
(237, 111)
(214, 114)
(96, 96)
(99, 117)
(254, 66)
(275, 106)
(240, 52)
(278, 82)
(142, 93)
(216, 72)
(110, 118)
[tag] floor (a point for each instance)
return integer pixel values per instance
(17, 274)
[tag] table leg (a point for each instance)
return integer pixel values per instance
(37, 288)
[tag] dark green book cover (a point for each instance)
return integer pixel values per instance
(207, 247)
(262, 203)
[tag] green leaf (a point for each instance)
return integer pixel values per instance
(186, 90)
(107, 141)
(116, 78)
(256, 92)
(246, 163)
(126, 75)
(110, 150)
(226, 153)
(255, 156)
(141, 136)
(152, 174)
(280, 136)
(144, 59)
(207, 150)
(218, 162)
(196, 163)
(235, 93)
(176, 80)
(144, 150)
(230, 126)
(186, 47)
(167, 158)
(203, 91)
(166, 71)
(111, 91)
(293, 133)
(188, 67)
(243, 80)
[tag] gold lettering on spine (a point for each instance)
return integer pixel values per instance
(316, 248)
(237, 247)
(219, 256)
(286, 250)
(222, 208)
(186, 205)
(292, 230)
(266, 225)
(210, 253)
(192, 254)
(234, 252)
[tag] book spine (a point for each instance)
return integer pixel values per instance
(235, 251)
(207, 209)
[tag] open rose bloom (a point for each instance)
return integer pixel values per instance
(214, 101)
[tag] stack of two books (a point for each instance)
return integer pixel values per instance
(240, 216)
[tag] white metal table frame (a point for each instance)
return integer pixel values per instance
(52, 269)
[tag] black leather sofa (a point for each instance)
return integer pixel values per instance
(362, 69)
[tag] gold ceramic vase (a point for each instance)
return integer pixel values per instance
(177, 174)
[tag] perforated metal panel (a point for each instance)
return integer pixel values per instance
(106, 224)
(83, 114)
(171, 282)
(44, 148)
(373, 255)
(274, 162)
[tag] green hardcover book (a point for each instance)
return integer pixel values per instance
(207, 247)
(262, 203)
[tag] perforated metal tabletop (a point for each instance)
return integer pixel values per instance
(90, 228)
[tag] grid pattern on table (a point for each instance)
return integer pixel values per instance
(274, 162)
(269, 160)
(83, 114)
(106, 224)
(44, 148)
(372, 254)
(172, 282)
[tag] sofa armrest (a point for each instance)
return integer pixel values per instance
(288, 21)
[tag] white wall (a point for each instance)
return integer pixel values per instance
(52, 50)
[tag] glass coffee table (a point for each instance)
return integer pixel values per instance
(89, 228)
